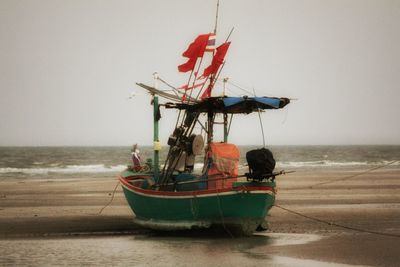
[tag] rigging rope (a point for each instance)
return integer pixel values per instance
(261, 124)
(239, 87)
(169, 85)
(286, 115)
(262, 127)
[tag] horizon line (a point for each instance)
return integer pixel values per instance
(149, 145)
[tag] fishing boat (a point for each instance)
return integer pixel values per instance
(173, 195)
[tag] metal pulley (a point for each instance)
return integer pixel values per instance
(175, 136)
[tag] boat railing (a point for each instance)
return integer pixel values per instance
(268, 177)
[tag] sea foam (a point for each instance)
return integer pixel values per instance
(96, 168)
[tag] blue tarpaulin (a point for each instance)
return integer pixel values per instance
(272, 102)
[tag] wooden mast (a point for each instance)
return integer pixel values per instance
(211, 116)
(169, 165)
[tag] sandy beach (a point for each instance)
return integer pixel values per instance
(369, 202)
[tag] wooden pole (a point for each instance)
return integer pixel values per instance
(225, 128)
(155, 132)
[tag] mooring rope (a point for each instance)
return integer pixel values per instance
(112, 198)
(336, 224)
(355, 175)
(222, 216)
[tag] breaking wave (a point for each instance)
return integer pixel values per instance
(329, 163)
(98, 168)
(101, 168)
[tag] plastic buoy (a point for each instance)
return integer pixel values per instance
(197, 145)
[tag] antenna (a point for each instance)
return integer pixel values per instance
(216, 18)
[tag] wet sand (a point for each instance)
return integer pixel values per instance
(59, 208)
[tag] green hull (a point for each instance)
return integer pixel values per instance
(244, 206)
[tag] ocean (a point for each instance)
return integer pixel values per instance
(58, 209)
(103, 162)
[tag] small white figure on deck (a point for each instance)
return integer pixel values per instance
(136, 157)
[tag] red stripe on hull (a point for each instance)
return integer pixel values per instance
(125, 182)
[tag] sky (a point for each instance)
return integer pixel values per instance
(67, 68)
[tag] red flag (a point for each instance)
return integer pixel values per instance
(188, 66)
(218, 59)
(207, 92)
(186, 86)
(196, 49)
